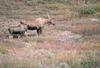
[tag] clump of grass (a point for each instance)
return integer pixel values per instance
(19, 65)
(35, 2)
(87, 64)
(98, 15)
(56, 6)
(87, 32)
(3, 50)
(84, 64)
(87, 11)
(97, 7)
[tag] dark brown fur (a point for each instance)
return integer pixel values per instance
(37, 24)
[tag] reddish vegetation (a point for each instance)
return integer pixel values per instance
(54, 47)
(84, 27)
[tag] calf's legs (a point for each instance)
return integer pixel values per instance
(39, 30)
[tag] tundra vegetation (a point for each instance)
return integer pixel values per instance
(74, 41)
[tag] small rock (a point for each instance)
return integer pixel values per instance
(94, 20)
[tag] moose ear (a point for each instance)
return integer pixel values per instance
(49, 17)
(22, 22)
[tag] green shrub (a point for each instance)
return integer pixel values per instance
(55, 1)
(87, 64)
(34, 2)
(97, 7)
(98, 15)
(84, 64)
(87, 11)
(3, 50)
(56, 6)
(87, 32)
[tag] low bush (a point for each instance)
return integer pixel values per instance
(35, 2)
(97, 7)
(87, 11)
(3, 50)
(87, 64)
(56, 6)
(98, 15)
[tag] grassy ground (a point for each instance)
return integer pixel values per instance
(74, 42)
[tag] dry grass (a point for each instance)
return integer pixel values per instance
(3, 50)
(56, 6)
(49, 50)
(85, 27)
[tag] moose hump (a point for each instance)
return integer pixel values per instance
(36, 22)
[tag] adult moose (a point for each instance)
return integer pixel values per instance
(37, 24)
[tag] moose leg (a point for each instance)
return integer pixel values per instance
(15, 36)
(22, 34)
(39, 30)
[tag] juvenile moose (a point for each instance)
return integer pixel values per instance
(17, 31)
